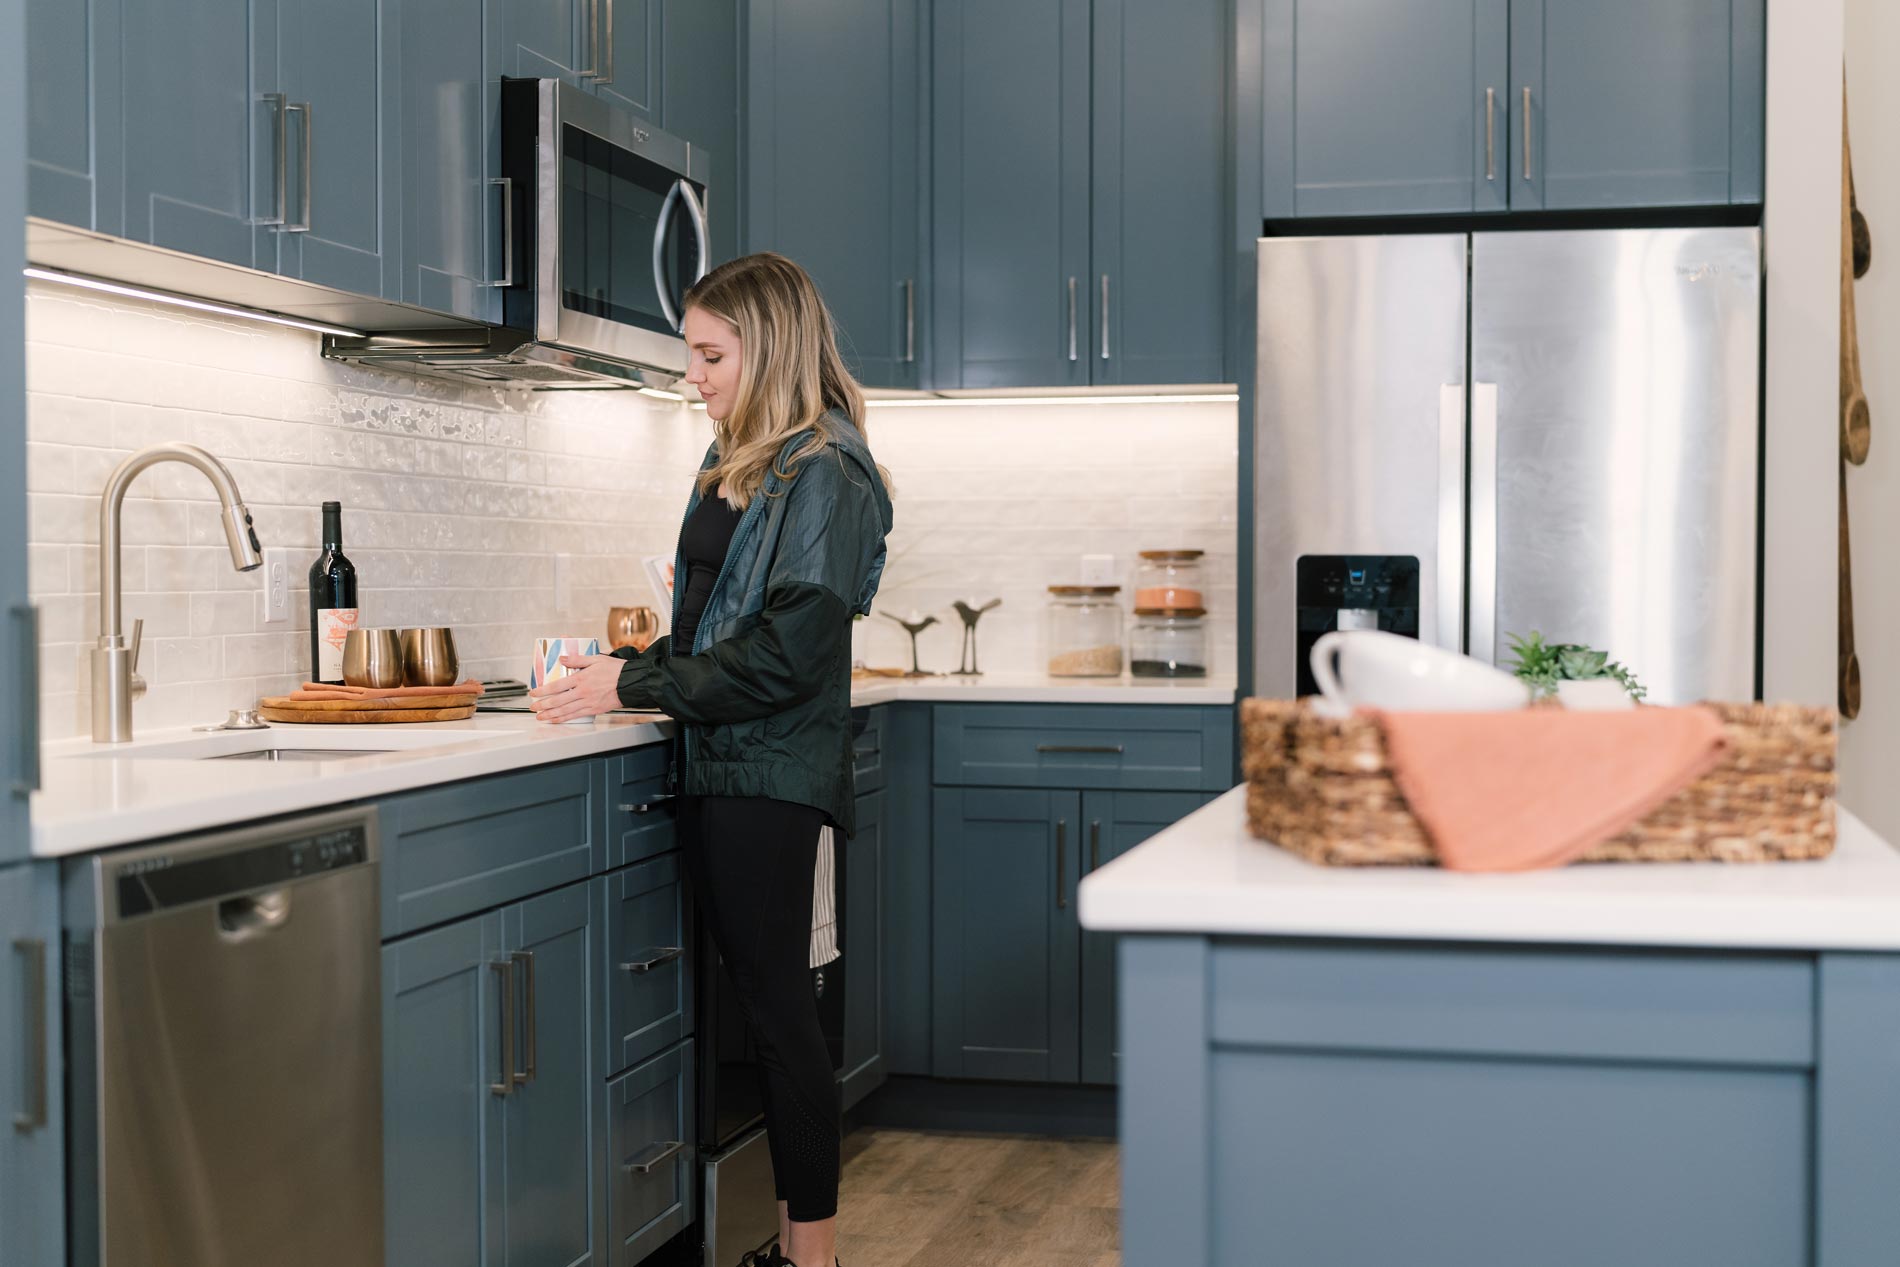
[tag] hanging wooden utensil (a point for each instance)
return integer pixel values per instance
(1849, 686)
(1863, 237)
(1856, 421)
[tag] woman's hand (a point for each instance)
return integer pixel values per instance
(591, 687)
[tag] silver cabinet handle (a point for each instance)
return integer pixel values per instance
(1095, 844)
(646, 806)
(1062, 866)
(1108, 748)
(278, 109)
(659, 956)
(526, 959)
(505, 972)
(33, 951)
(507, 232)
(1104, 316)
(1072, 318)
(910, 320)
(309, 142)
(646, 1163)
(604, 55)
(1527, 132)
(1490, 133)
(26, 622)
(592, 69)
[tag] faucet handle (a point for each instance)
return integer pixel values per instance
(138, 637)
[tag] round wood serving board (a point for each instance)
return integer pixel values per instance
(401, 703)
(320, 714)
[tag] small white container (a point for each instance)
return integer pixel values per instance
(1598, 695)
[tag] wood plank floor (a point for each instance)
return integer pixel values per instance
(928, 1199)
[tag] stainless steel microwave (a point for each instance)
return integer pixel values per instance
(603, 229)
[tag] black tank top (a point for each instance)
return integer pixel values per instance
(704, 541)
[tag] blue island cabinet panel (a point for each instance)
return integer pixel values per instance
(1158, 293)
(342, 165)
(1636, 103)
(1114, 823)
(63, 91)
(32, 1204)
(1380, 107)
(448, 128)
(832, 166)
(1010, 193)
(1004, 989)
(444, 1075)
(198, 138)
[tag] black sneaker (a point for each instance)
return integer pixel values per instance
(765, 1258)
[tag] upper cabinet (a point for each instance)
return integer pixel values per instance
(611, 48)
(1626, 103)
(833, 174)
(1398, 107)
(701, 103)
(1078, 171)
(62, 92)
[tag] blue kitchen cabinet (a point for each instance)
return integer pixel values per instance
(835, 102)
(64, 88)
(904, 897)
(341, 176)
(446, 1068)
(862, 871)
(198, 138)
(19, 639)
(544, 39)
(1010, 194)
(631, 72)
(32, 1149)
(1115, 822)
(1380, 107)
(448, 245)
(1004, 994)
(1158, 286)
(1636, 103)
(700, 102)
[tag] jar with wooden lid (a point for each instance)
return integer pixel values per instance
(1168, 642)
(1171, 579)
(1085, 631)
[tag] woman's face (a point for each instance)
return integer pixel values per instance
(713, 366)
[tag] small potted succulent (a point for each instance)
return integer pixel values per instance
(1578, 676)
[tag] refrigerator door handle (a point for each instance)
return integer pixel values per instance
(1450, 565)
(1484, 521)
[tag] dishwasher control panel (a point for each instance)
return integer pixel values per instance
(159, 878)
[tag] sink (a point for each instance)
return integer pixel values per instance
(301, 746)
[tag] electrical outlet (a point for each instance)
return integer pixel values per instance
(1099, 569)
(276, 596)
(563, 582)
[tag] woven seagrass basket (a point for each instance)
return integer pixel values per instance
(1324, 790)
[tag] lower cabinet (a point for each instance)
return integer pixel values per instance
(487, 1086)
(1019, 992)
(862, 867)
(651, 1164)
(32, 1154)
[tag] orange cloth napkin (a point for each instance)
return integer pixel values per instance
(330, 690)
(1515, 791)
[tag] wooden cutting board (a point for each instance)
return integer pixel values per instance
(405, 703)
(321, 714)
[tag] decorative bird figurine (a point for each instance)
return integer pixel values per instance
(913, 628)
(966, 662)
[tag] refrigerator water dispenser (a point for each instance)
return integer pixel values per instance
(1351, 591)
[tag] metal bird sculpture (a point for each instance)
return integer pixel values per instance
(966, 662)
(913, 630)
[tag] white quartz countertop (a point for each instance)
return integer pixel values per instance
(1207, 875)
(96, 796)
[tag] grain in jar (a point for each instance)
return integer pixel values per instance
(1085, 631)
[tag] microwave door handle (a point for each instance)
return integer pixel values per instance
(667, 307)
(696, 211)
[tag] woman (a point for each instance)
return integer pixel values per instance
(783, 543)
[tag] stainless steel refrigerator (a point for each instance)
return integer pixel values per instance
(1466, 436)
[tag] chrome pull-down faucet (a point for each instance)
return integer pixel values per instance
(115, 680)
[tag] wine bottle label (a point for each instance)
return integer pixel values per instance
(333, 623)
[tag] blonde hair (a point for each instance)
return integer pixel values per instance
(790, 373)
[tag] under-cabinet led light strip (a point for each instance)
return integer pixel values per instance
(84, 282)
(943, 402)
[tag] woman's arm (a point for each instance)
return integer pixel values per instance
(781, 661)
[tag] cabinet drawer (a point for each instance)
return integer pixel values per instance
(641, 809)
(1154, 747)
(867, 749)
(452, 851)
(648, 968)
(652, 1172)
(1659, 1006)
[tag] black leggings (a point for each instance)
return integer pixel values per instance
(752, 861)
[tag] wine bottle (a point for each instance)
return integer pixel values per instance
(333, 611)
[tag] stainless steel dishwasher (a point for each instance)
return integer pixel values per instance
(224, 1004)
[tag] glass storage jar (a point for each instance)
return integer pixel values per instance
(1085, 631)
(1169, 578)
(1168, 642)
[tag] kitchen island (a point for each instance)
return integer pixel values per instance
(1669, 1064)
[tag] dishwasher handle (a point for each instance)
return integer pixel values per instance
(253, 914)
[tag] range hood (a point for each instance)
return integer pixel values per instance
(496, 355)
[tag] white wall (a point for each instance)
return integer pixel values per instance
(1869, 744)
(456, 500)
